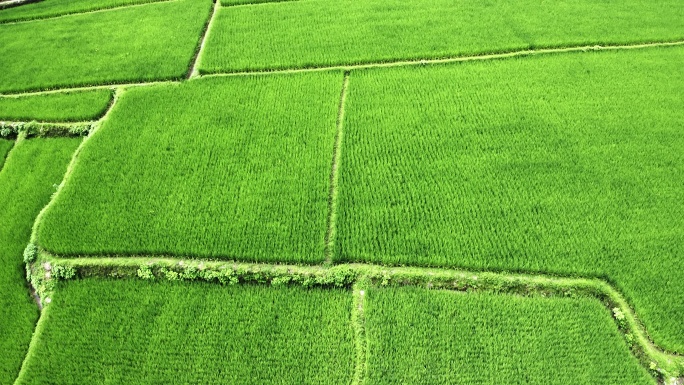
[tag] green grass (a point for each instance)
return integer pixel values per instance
(415, 336)
(61, 107)
(322, 33)
(26, 183)
(224, 167)
(157, 41)
(51, 8)
(138, 332)
(5, 147)
(567, 164)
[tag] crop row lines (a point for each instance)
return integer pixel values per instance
(364, 66)
(98, 10)
(358, 276)
(116, 8)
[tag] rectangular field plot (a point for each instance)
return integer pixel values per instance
(153, 42)
(27, 182)
(415, 336)
(61, 107)
(139, 332)
(51, 8)
(569, 164)
(322, 33)
(234, 168)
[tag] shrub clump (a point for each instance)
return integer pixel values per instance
(30, 253)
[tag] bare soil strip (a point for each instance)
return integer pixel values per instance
(359, 325)
(194, 68)
(332, 197)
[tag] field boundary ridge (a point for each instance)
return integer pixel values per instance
(359, 324)
(452, 59)
(335, 164)
(113, 87)
(193, 71)
(11, 130)
(661, 364)
(359, 66)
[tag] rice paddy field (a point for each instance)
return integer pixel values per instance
(431, 337)
(240, 168)
(54, 8)
(301, 34)
(341, 192)
(580, 179)
(57, 107)
(27, 180)
(165, 332)
(130, 44)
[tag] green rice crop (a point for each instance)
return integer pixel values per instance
(241, 2)
(60, 107)
(322, 33)
(138, 332)
(235, 168)
(417, 336)
(5, 147)
(51, 8)
(568, 164)
(26, 183)
(157, 41)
